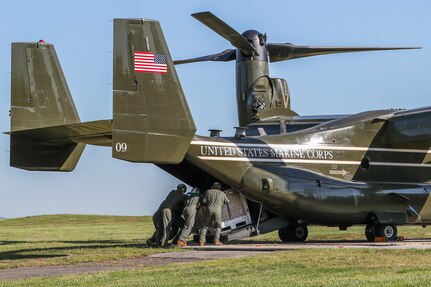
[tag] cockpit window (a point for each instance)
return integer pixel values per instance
(262, 39)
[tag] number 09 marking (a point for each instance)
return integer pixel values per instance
(121, 147)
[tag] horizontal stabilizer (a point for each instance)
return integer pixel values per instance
(57, 148)
(94, 133)
(44, 156)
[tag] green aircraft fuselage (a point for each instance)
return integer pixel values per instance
(336, 173)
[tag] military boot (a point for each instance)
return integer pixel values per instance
(218, 243)
(151, 243)
(181, 243)
(201, 243)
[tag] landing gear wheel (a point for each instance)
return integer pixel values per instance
(387, 231)
(294, 233)
(299, 233)
(282, 234)
(370, 233)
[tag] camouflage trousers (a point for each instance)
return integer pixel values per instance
(189, 216)
(212, 218)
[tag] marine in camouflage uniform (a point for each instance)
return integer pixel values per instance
(189, 213)
(214, 199)
(162, 218)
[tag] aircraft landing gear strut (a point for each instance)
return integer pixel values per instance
(388, 231)
(293, 233)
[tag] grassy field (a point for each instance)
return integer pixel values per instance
(309, 267)
(72, 239)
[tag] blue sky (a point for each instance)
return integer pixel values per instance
(82, 34)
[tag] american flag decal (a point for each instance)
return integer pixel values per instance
(150, 62)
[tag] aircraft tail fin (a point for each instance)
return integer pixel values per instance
(151, 119)
(40, 98)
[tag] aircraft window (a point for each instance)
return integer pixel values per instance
(267, 185)
(262, 39)
(283, 127)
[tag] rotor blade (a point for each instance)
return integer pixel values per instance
(226, 31)
(225, 56)
(287, 51)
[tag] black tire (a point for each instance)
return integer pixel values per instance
(370, 233)
(298, 233)
(282, 234)
(388, 231)
(294, 233)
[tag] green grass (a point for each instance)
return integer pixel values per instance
(72, 239)
(307, 267)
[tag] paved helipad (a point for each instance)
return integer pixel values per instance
(238, 246)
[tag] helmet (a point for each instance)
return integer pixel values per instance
(182, 187)
(195, 191)
(216, 185)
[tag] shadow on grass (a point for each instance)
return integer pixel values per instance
(18, 256)
(10, 242)
(93, 241)
(336, 241)
(325, 241)
(57, 251)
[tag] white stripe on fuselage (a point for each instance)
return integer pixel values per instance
(304, 146)
(278, 160)
(404, 164)
(311, 161)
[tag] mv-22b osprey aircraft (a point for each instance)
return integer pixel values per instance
(371, 168)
